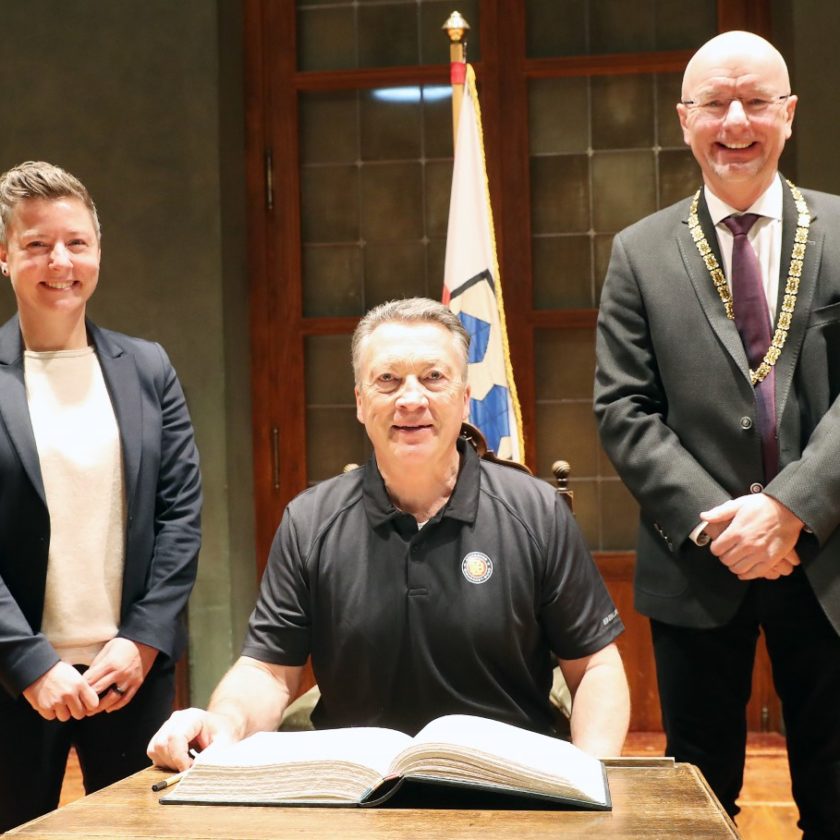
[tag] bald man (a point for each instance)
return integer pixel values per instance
(717, 382)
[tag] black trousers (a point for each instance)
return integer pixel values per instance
(33, 751)
(704, 685)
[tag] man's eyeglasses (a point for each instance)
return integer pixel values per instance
(716, 107)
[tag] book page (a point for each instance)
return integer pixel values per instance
(328, 766)
(367, 746)
(474, 749)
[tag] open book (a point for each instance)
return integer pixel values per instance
(486, 763)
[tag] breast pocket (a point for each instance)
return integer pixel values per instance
(825, 316)
(822, 346)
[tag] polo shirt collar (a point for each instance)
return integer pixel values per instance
(462, 504)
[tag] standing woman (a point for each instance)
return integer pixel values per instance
(100, 499)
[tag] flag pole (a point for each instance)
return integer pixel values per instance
(472, 287)
(456, 27)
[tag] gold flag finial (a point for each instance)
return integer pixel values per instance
(456, 27)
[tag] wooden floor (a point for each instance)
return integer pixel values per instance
(768, 812)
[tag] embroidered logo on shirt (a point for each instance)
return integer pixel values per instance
(477, 567)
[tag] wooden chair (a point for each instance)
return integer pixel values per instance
(560, 469)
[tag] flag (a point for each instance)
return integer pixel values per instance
(472, 287)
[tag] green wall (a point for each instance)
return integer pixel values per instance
(143, 102)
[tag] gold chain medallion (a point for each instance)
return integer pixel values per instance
(800, 243)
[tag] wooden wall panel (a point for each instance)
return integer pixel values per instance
(764, 711)
(634, 644)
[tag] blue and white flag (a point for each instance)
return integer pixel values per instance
(472, 287)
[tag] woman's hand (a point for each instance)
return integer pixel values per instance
(62, 693)
(118, 672)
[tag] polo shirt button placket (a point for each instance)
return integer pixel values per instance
(417, 584)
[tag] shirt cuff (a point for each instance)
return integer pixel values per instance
(699, 536)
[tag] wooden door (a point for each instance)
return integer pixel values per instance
(349, 162)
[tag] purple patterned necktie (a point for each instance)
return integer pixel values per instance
(752, 318)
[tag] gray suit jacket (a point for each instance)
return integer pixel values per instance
(677, 412)
(163, 500)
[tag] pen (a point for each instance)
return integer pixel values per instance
(171, 780)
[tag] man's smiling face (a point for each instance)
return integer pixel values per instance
(738, 150)
(412, 395)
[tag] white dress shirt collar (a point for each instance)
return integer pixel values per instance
(768, 204)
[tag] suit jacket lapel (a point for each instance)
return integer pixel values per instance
(120, 373)
(13, 405)
(786, 363)
(707, 294)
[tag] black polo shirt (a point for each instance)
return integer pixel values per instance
(460, 616)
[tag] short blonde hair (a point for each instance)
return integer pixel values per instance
(39, 179)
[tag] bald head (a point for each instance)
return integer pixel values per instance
(736, 114)
(731, 52)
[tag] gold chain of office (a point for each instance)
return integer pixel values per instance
(800, 243)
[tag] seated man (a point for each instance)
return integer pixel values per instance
(427, 582)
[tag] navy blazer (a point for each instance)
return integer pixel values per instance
(163, 504)
(677, 410)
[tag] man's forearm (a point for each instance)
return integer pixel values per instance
(601, 705)
(253, 695)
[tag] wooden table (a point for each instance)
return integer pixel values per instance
(650, 799)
